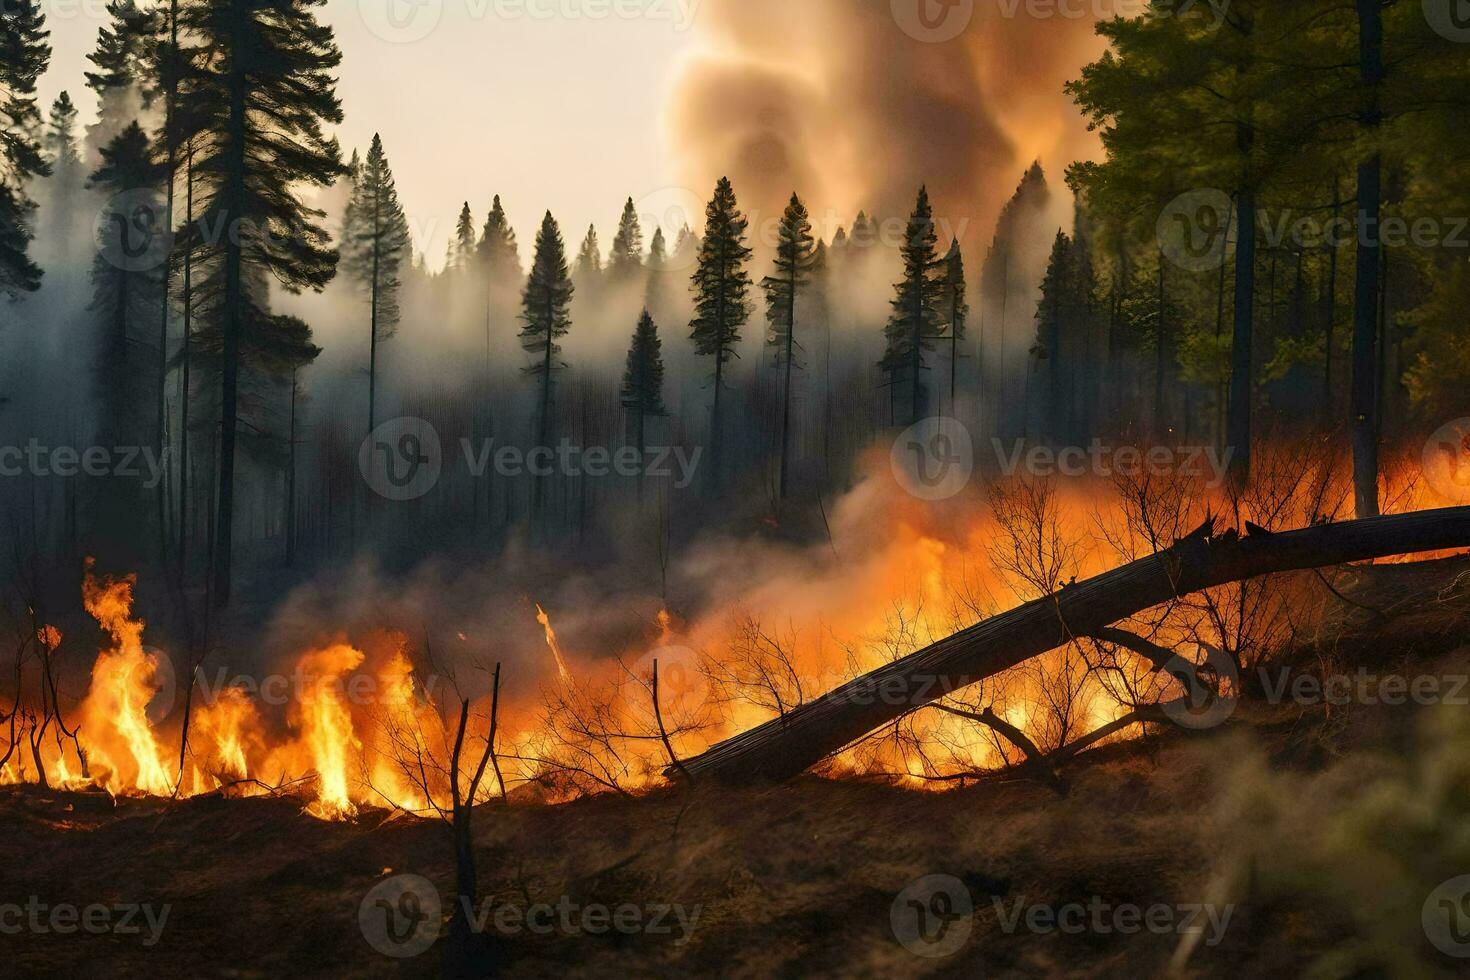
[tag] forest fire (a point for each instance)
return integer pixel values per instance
(875, 506)
(363, 730)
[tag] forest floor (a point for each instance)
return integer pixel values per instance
(1297, 837)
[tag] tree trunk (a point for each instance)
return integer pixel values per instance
(786, 390)
(233, 199)
(1238, 421)
(1365, 311)
(786, 746)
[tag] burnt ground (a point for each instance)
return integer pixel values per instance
(1317, 825)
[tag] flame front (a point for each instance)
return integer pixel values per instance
(124, 681)
(805, 625)
(326, 725)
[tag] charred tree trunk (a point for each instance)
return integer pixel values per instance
(786, 746)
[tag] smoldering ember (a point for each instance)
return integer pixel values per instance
(734, 488)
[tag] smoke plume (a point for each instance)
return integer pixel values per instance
(837, 101)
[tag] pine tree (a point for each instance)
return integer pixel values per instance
(795, 257)
(373, 254)
(126, 284)
(686, 249)
(721, 287)
(643, 379)
(24, 55)
(1051, 313)
(546, 304)
(916, 321)
(626, 258)
(61, 140)
(351, 226)
(69, 214)
(254, 113)
(956, 309)
(1009, 278)
(462, 247)
(123, 59)
(655, 292)
(499, 255)
(588, 271)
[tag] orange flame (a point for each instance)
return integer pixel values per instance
(561, 664)
(326, 726)
(124, 681)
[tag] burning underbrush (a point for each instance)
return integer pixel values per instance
(379, 718)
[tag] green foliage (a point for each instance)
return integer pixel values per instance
(1292, 352)
(546, 301)
(24, 55)
(795, 260)
(626, 258)
(916, 321)
(462, 246)
(125, 48)
(589, 257)
(499, 254)
(643, 379)
(61, 138)
(376, 240)
(721, 282)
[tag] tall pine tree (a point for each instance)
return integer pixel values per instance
(721, 288)
(643, 382)
(373, 252)
(546, 306)
(916, 321)
(462, 247)
(255, 113)
(123, 62)
(626, 258)
(126, 285)
(500, 256)
(24, 55)
(795, 258)
(956, 310)
(61, 140)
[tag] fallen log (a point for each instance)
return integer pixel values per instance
(786, 746)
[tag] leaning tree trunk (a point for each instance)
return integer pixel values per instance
(786, 746)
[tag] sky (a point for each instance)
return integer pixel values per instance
(550, 103)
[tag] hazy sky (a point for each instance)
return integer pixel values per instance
(541, 101)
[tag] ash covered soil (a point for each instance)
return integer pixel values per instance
(1322, 828)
